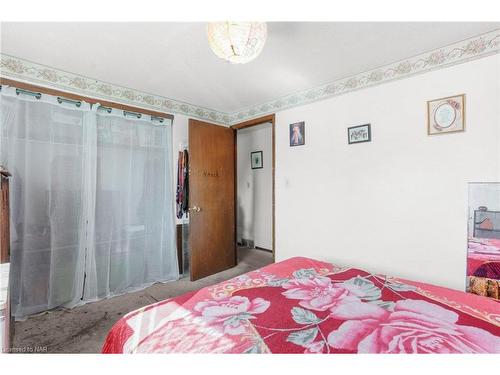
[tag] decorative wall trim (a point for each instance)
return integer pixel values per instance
(29, 72)
(466, 50)
(457, 53)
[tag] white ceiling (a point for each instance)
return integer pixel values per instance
(174, 60)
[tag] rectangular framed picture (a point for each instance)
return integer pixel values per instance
(256, 159)
(446, 115)
(359, 134)
(297, 134)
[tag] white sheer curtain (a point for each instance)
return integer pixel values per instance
(91, 201)
(134, 239)
(42, 146)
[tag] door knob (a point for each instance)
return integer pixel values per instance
(194, 209)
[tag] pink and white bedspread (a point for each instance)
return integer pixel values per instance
(483, 258)
(306, 306)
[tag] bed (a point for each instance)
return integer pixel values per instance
(481, 251)
(483, 267)
(303, 305)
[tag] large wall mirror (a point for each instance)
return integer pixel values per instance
(483, 250)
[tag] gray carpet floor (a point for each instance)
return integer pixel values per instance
(83, 329)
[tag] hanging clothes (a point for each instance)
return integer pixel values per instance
(182, 184)
(185, 188)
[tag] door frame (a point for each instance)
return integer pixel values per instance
(247, 124)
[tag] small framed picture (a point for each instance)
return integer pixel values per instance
(256, 159)
(297, 134)
(359, 134)
(446, 115)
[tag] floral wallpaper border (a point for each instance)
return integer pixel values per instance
(26, 71)
(466, 50)
(469, 49)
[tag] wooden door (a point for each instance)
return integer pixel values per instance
(212, 217)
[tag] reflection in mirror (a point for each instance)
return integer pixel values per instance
(483, 250)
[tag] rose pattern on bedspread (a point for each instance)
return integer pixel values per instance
(414, 326)
(231, 312)
(319, 293)
(314, 310)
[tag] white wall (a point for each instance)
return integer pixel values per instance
(254, 190)
(397, 205)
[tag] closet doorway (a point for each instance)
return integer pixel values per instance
(255, 185)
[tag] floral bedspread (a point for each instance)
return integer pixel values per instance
(305, 306)
(483, 258)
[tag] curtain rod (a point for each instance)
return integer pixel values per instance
(38, 95)
(54, 92)
(61, 100)
(103, 108)
(129, 113)
(78, 103)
